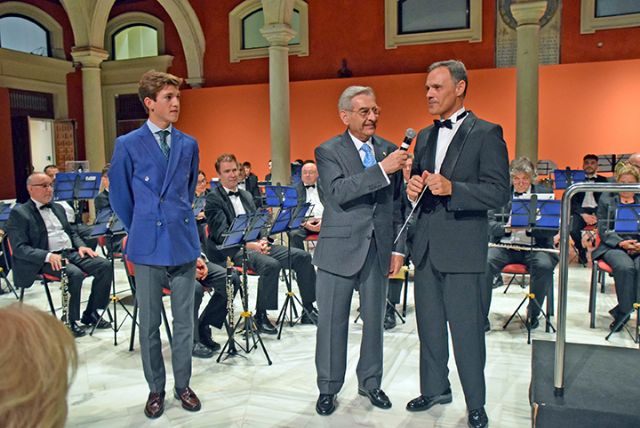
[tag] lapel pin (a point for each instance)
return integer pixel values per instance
(384, 153)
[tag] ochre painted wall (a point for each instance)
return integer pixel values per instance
(588, 107)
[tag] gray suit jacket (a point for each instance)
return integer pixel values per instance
(454, 228)
(358, 205)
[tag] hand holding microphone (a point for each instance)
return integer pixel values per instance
(396, 160)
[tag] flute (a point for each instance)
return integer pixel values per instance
(516, 247)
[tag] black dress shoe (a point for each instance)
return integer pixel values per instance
(422, 403)
(94, 319)
(478, 418)
(264, 325)
(76, 330)
(389, 318)
(309, 317)
(377, 397)
(201, 351)
(619, 316)
(533, 323)
(155, 405)
(206, 340)
(326, 404)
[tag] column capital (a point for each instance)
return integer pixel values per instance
(89, 56)
(528, 12)
(278, 34)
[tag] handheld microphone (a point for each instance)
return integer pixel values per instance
(409, 135)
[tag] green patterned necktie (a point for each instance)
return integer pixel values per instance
(163, 142)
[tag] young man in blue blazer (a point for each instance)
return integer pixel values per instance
(153, 176)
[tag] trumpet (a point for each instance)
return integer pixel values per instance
(64, 288)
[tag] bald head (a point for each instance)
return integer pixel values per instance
(40, 187)
(309, 173)
(634, 160)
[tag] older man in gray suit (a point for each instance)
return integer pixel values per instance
(461, 163)
(361, 177)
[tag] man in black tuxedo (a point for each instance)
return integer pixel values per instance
(308, 190)
(249, 182)
(584, 206)
(39, 233)
(461, 164)
(101, 203)
(540, 264)
(224, 203)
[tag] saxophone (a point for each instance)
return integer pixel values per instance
(64, 288)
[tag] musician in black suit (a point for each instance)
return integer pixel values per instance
(102, 203)
(308, 190)
(224, 203)
(462, 163)
(39, 231)
(621, 251)
(584, 206)
(540, 264)
(250, 184)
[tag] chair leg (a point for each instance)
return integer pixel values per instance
(593, 294)
(46, 289)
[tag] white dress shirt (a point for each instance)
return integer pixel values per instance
(445, 136)
(235, 201)
(314, 199)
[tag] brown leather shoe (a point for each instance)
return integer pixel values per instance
(155, 405)
(189, 399)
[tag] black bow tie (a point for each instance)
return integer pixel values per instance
(233, 194)
(447, 123)
(517, 194)
(48, 205)
(306, 186)
(591, 179)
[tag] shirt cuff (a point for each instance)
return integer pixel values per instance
(46, 259)
(386, 177)
(395, 253)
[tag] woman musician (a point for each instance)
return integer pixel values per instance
(539, 263)
(620, 250)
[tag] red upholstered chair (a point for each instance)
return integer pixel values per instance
(129, 268)
(311, 240)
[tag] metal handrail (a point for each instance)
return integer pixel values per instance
(565, 216)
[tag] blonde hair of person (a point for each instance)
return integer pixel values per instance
(38, 361)
(626, 168)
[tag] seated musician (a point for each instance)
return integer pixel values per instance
(80, 228)
(620, 250)
(539, 263)
(202, 190)
(249, 182)
(210, 276)
(39, 232)
(583, 206)
(224, 203)
(102, 203)
(308, 190)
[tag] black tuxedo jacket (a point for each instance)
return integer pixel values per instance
(102, 201)
(29, 240)
(302, 192)
(251, 185)
(454, 228)
(220, 214)
(576, 201)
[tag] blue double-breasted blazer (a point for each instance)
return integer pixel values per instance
(153, 196)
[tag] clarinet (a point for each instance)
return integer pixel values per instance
(230, 315)
(64, 288)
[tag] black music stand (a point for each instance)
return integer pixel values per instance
(245, 228)
(76, 186)
(563, 178)
(287, 220)
(5, 210)
(107, 224)
(534, 214)
(627, 221)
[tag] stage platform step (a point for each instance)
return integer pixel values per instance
(601, 388)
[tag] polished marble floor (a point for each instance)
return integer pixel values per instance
(110, 390)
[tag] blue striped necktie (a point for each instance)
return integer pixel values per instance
(163, 142)
(369, 159)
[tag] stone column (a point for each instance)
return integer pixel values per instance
(527, 14)
(90, 59)
(278, 36)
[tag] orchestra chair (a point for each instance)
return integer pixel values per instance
(45, 280)
(599, 271)
(514, 270)
(130, 270)
(521, 269)
(310, 241)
